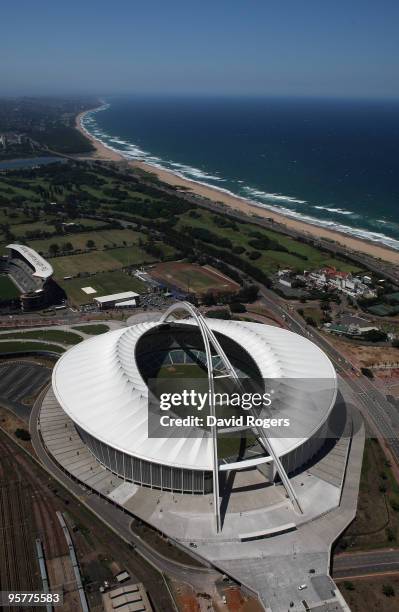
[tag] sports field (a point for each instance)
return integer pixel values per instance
(104, 284)
(231, 444)
(8, 290)
(101, 238)
(98, 261)
(192, 278)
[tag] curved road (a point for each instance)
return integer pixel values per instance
(115, 518)
(378, 412)
(372, 404)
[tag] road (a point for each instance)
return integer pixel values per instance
(353, 565)
(373, 405)
(118, 520)
(378, 412)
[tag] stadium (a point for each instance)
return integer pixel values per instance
(101, 385)
(32, 275)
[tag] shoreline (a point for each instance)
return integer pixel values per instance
(238, 203)
(101, 151)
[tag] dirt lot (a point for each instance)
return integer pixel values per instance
(192, 278)
(366, 594)
(377, 521)
(190, 601)
(10, 423)
(364, 356)
(388, 380)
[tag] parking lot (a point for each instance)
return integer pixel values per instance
(20, 383)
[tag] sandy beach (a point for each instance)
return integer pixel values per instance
(101, 152)
(355, 244)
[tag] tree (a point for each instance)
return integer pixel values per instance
(237, 307)
(209, 299)
(248, 293)
(54, 249)
(374, 335)
(90, 244)
(367, 372)
(388, 590)
(310, 321)
(349, 586)
(390, 534)
(66, 247)
(22, 434)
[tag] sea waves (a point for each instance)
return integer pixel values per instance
(277, 197)
(287, 205)
(337, 211)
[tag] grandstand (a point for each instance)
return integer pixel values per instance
(31, 274)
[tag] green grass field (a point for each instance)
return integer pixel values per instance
(23, 192)
(21, 229)
(192, 277)
(270, 260)
(98, 261)
(182, 371)
(105, 283)
(112, 194)
(8, 215)
(8, 290)
(377, 519)
(86, 222)
(101, 238)
(21, 347)
(229, 445)
(49, 335)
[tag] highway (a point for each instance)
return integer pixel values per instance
(379, 267)
(355, 565)
(377, 411)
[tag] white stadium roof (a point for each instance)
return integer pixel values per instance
(42, 268)
(99, 386)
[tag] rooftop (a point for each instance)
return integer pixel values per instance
(125, 295)
(109, 398)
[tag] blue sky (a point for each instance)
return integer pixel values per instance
(345, 48)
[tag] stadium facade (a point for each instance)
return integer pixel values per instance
(101, 384)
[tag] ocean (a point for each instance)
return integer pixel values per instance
(331, 162)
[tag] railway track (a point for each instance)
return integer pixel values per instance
(46, 523)
(18, 566)
(28, 511)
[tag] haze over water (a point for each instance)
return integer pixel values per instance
(335, 162)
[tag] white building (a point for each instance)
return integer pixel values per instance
(101, 384)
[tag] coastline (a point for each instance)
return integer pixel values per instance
(244, 206)
(101, 151)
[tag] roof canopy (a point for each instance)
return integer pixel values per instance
(42, 268)
(100, 387)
